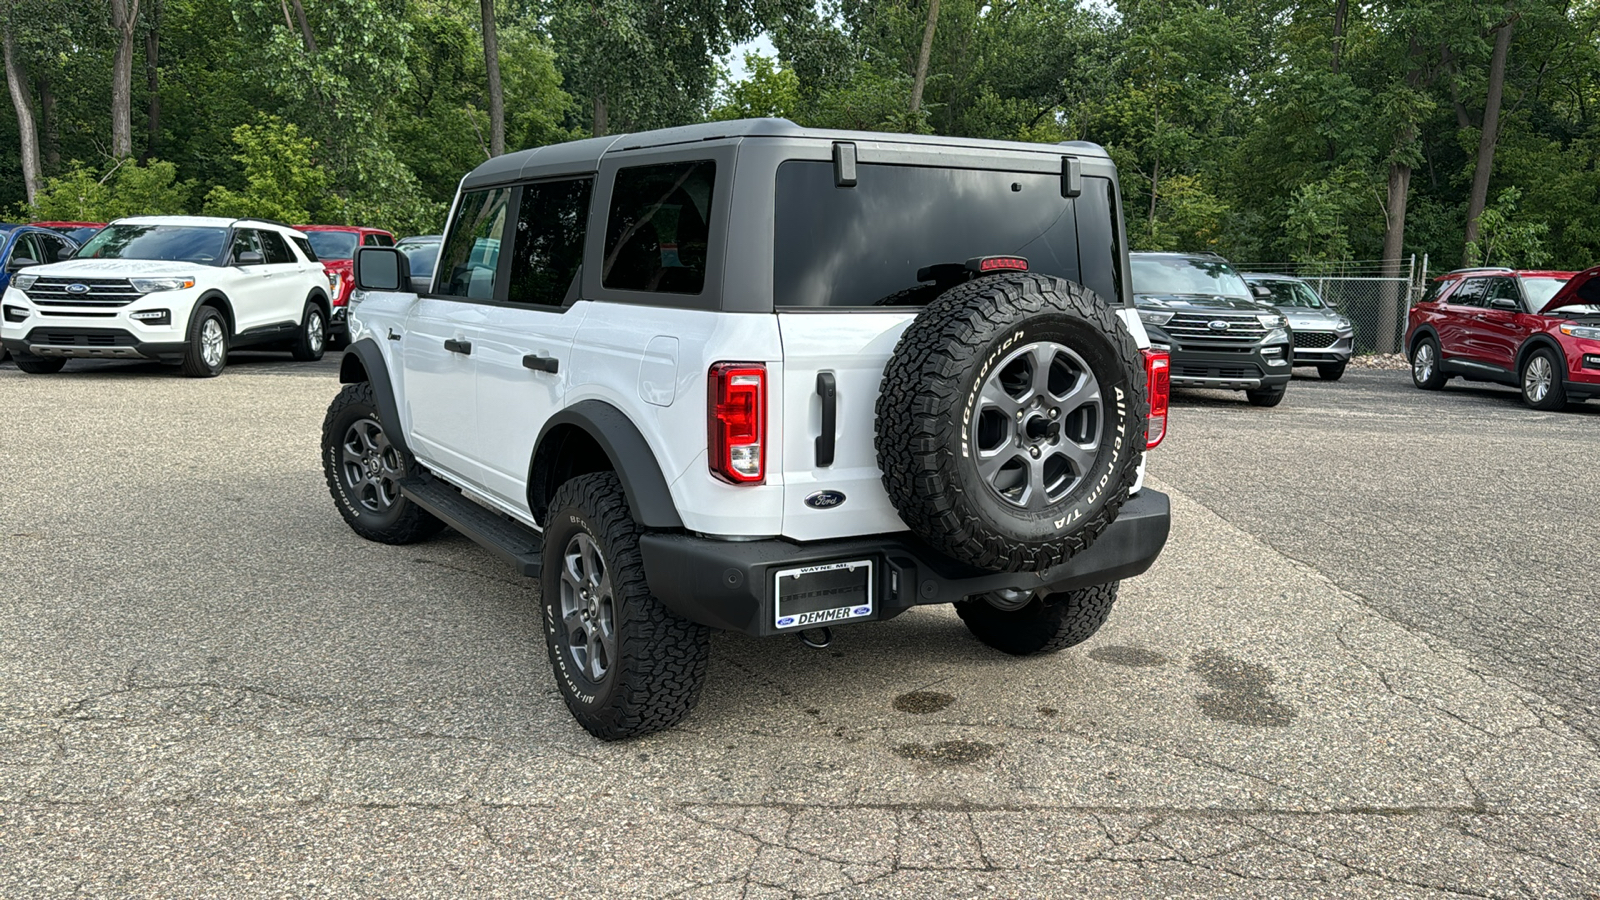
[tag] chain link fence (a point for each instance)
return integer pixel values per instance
(1371, 295)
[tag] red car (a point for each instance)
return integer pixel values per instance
(77, 231)
(336, 248)
(1534, 330)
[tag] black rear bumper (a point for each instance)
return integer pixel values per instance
(729, 584)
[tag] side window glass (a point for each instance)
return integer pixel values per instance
(471, 253)
(549, 247)
(245, 241)
(55, 248)
(305, 248)
(383, 240)
(1470, 293)
(28, 247)
(1505, 289)
(658, 230)
(370, 240)
(276, 249)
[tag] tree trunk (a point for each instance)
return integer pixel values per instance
(1387, 337)
(497, 97)
(152, 82)
(124, 19)
(922, 58)
(305, 28)
(1340, 10)
(600, 123)
(17, 83)
(49, 125)
(1488, 137)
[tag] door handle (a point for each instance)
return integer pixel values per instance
(462, 347)
(394, 335)
(827, 389)
(541, 363)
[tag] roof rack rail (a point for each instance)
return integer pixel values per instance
(1481, 269)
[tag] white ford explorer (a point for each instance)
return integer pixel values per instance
(755, 377)
(180, 289)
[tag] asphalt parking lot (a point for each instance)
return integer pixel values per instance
(1363, 667)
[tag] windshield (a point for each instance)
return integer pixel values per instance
(421, 257)
(333, 244)
(1182, 275)
(864, 245)
(185, 243)
(1287, 293)
(1540, 290)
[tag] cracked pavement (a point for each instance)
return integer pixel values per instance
(210, 687)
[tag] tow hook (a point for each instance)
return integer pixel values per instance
(820, 642)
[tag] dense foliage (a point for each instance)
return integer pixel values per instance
(1264, 129)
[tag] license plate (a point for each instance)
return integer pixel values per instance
(823, 594)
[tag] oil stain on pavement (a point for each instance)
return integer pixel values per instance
(948, 753)
(1240, 691)
(921, 702)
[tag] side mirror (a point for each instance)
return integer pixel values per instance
(19, 263)
(249, 258)
(382, 269)
(1503, 303)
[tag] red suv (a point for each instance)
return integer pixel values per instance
(336, 249)
(1534, 330)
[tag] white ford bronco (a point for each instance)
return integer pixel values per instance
(755, 377)
(179, 289)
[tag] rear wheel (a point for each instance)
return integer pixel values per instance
(309, 344)
(625, 664)
(1266, 396)
(1044, 624)
(1541, 380)
(206, 353)
(40, 365)
(1331, 371)
(1425, 371)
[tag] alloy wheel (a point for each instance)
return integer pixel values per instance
(370, 466)
(1036, 427)
(1537, 378)
(211, 340)
(588, 608)
(1422, 363)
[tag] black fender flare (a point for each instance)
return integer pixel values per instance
(631, 458)
(220, 301)
(363, 361)
(1534, 343)
(1421, 332)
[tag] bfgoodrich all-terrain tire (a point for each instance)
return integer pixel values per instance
(364, 468)
(625, 664)
(1046, 624)
(1011, 421)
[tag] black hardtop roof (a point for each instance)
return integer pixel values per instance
(584, 155)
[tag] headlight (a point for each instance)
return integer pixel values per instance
(152, 285)
(1276, 336)
(1153, 317)
(23, 282)
(1272, 320)
(1586, 332)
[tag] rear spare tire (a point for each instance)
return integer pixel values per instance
(1012, 420)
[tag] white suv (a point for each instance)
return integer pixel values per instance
(753, 377)
(178, 289)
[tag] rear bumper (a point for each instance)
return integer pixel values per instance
(729, 584)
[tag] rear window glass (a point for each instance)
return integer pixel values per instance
(863, 245)
(659, 228)
(305, 248)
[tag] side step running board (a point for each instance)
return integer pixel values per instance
(511, 541)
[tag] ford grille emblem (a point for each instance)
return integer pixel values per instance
(1217, 325)
(824, 499)
(77, 288)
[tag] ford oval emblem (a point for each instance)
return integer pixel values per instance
(825, 500)
(1217, 325)
(77, 288)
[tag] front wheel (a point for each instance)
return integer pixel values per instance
(626, 665)
(1331, 371)
(1541, 381)
(1266, 396)
(308, 345)
(1425, 371)
(1045, 624)
(363, 469)
(206, 353)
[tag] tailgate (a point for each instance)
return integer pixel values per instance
(852, 347)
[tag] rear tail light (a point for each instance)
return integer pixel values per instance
(736, 410)
(1158, 380)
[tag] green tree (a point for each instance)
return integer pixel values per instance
(766, 90)
(281, 178)
(124, 188)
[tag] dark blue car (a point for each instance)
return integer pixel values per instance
(24, 245)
